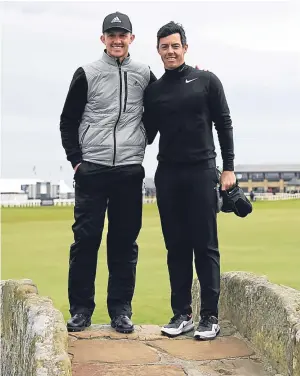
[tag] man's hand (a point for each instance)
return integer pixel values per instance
(227, 180)
(76, 167)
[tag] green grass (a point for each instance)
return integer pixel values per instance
(35, 245)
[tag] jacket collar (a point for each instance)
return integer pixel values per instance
(114, 61)
(176, 73)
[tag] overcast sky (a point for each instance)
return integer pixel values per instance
(253, 47)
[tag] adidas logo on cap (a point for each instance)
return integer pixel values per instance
(116, 19)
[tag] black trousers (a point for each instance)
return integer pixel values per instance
(187, 203)
(119, 190)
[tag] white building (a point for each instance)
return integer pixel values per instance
(15, 189)
(20, 190)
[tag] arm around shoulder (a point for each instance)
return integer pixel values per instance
(152, 77)
(149, 118)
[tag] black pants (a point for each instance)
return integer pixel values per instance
(187, 204)
(119, 190)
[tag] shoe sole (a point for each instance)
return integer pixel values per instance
(185, 329)
(119, 330)
(125, 331)
(199, 337)
(77, 329)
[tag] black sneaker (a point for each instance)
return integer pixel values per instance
(179, 324)
(78, 322)
(208, 328)
(122, 324)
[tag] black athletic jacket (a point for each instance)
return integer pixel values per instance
(181, 106)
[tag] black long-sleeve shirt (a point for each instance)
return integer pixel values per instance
(181, 106)
(72, 113)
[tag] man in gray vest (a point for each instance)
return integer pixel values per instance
(104, 139)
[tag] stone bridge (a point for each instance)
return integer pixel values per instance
(260, 336)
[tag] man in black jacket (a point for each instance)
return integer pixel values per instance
(181, 106)
(104, 139)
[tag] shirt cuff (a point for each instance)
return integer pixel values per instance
(228, 166)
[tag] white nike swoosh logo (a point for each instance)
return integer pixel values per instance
(187, 81)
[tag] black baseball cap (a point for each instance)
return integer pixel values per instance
(117, 20)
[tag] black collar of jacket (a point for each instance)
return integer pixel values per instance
(114, 61)
(181, 71)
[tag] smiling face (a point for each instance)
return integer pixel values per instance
(117, 42)
(171, 51)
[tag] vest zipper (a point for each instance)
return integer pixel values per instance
(126, 91)
(120, 110)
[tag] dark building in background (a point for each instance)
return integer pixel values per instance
(269, 178)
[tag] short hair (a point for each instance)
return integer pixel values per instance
(169, 29)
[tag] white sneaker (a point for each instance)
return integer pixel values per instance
(179, 324)
(208, 328)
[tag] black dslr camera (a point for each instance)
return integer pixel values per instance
(233, 200)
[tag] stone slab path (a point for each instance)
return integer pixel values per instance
(100, 351)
